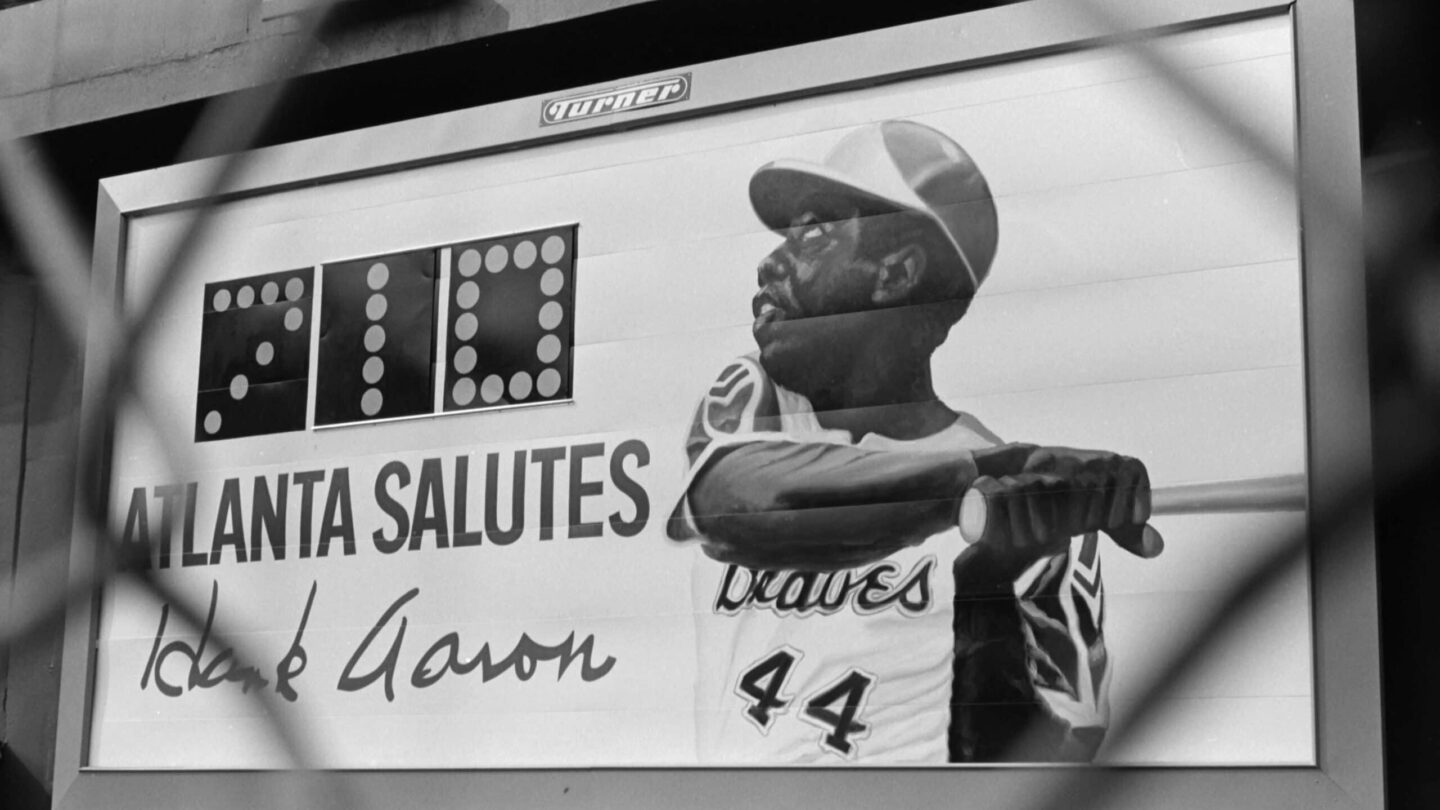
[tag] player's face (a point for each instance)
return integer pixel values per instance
(811, 289)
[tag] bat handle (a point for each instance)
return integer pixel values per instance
(975, 527)
(974, 516)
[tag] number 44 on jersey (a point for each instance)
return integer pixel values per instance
(834, 708)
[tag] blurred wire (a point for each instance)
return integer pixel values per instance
(55, 248)
(1401, 254)
(1401, 257)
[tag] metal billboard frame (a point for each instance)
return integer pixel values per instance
(1344, 611)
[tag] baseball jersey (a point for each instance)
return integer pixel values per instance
(855, 665)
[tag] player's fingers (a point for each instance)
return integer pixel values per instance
(1142, 493)
(1031, 512)
(1001, 460)
(1013, 519)
(1049, 501)
(1142, 540)
(1042, 459)
(1053, 460)
(1031, 507)
(1122, 493)
(1133, 485)
(1087, 501)
(1027, 515)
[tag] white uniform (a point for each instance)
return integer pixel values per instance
(854, 665)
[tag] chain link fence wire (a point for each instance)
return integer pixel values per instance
(56, 251)
(1401, 257)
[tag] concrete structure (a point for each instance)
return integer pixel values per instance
(68, 62)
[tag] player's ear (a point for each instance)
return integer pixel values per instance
(900, 272)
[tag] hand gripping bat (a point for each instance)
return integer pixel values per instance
(1281, 493)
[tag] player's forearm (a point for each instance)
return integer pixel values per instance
(825, 504)
(992, 701)
(983, 571)
(997, 714)
(1014, 658)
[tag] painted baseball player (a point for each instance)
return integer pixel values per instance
(842, 618)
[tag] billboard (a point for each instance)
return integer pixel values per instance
(914, 423)
(438, 572)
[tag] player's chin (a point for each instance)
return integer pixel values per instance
(786, 362)
(802, 354)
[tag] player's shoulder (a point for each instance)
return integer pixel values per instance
(971, 425)
(743, 369)
(740, 400)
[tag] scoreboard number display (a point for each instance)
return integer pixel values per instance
(482, 324)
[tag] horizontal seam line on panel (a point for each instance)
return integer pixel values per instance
(831, 129)
(742, 323)
(743, 143)
(1128, 380)
(684, 420)
(1129, 279)
(729, 234)
(1014, 195)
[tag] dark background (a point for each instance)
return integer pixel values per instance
(1398, 108)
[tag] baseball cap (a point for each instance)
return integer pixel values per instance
(888, 167)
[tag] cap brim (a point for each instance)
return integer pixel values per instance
(782, 190)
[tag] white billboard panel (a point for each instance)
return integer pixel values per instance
(436, 424)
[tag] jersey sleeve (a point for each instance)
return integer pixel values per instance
(741, 406)
(1062, 612)
(1032, 673)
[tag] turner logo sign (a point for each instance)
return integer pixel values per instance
(651, 93)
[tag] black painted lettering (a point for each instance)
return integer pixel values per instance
(498, 536)
(631, 448)
(581, 489)
(222, 668)
(267, 516)
(169, 497)
(796, 592)
(874, 588)
(295, 658)
(734, 589)
(188, 555)
(152, 661)
(423, 675)
(349, 682)
(307, 481)
(398, 471)
(429, 512)
(228, 515)
(546, 458)
(462, 534)
(135, 541)
(339, 520)
(914, 595)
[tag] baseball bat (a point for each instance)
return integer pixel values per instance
(1280, 493)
